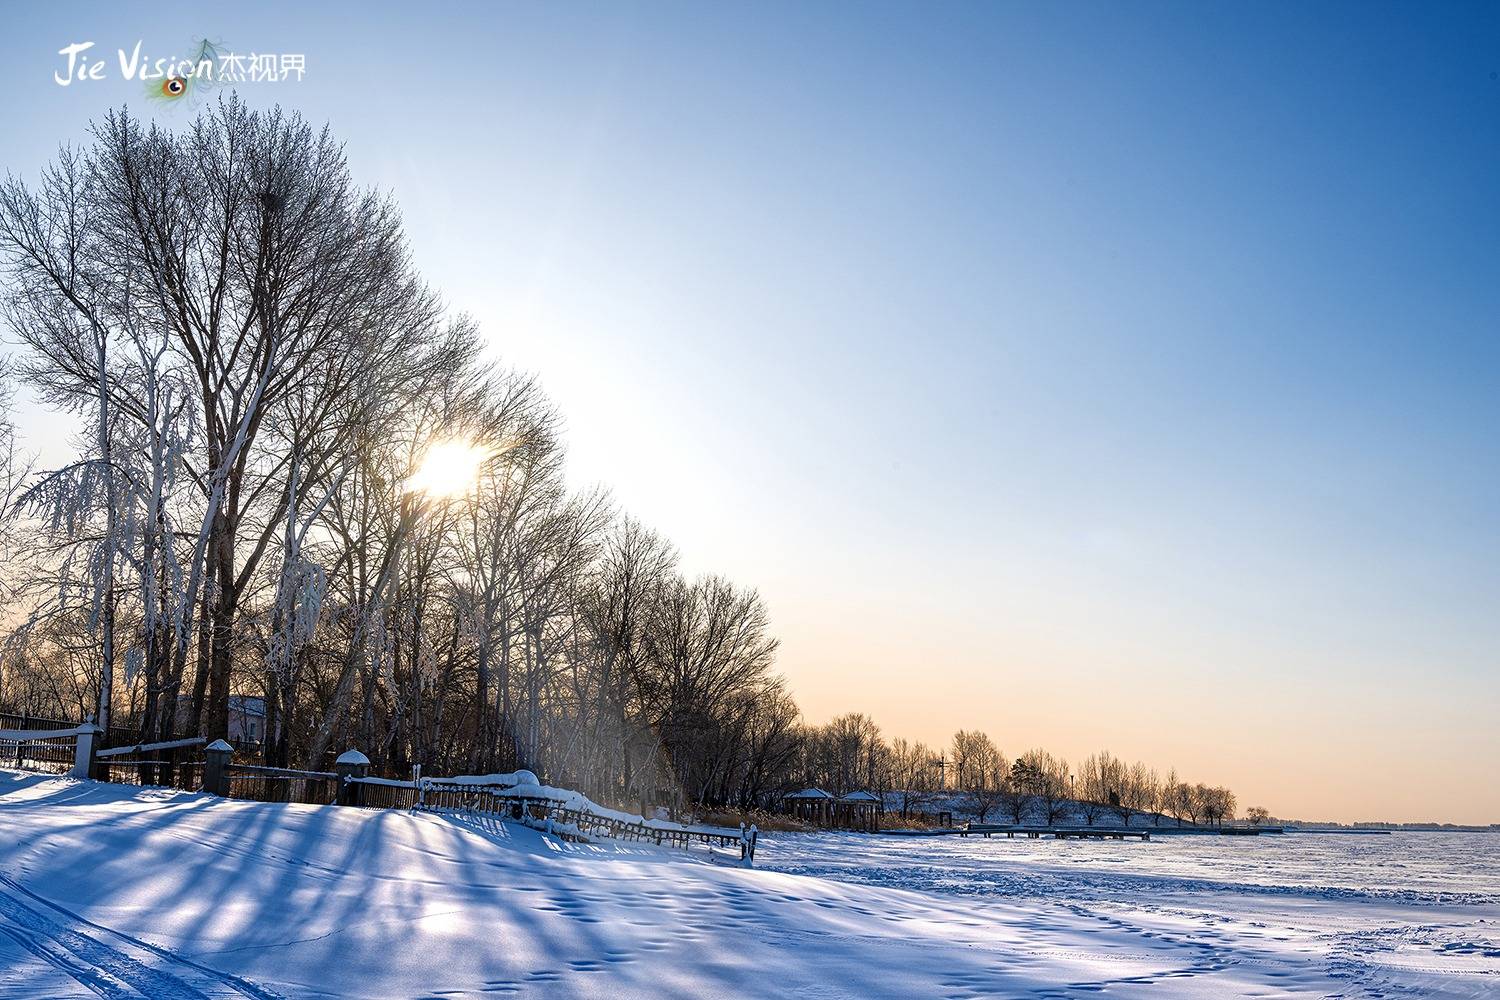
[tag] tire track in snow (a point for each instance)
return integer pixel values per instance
(97, 981)
(111, 971)
(99, 967)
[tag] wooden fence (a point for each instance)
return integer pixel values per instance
(51, 751)
(553, 815)
(169, 764)
(279, 784)
(119, 736)
(12, 720)
(53, 755)
(174, 764)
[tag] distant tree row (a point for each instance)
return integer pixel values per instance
(849, 753)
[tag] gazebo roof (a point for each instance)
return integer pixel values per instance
(810, 793)
(860, 797)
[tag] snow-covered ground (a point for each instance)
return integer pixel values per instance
(118, 892)
(1404, 915)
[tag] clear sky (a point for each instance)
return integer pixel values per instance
(1098, 375)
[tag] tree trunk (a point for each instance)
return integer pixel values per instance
(485, 749)
(200, 667)
(222, 645)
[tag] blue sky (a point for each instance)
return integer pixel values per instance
(1120, 374)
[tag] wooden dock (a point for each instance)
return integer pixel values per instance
(988, 830)
(1143, 833)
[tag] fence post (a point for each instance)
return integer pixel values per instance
(216, 768)
(747, 844)
(83, 750)
(350, 764)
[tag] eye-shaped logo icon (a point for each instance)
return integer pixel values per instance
(173, 86)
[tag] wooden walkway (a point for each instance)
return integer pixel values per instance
(988, 830)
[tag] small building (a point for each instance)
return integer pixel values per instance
(811, 805)
(859, 811)
(856, 811)
(246, 719)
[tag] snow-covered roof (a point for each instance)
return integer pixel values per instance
(810, 793)
(860, 797)
(352, 757)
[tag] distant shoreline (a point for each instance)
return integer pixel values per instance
(1394, 828)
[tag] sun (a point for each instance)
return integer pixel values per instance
(449, 468)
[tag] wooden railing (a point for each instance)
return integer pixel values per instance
(581, 824)
(12, 720)
(51, 751)
(552, 815)
(280, 784)
(168, 764)
(52, 755)
(377, 794)
(164, 764)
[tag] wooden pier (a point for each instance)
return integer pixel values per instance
(988, 830)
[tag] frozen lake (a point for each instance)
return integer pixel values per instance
(1409, 914)
(1415, 868)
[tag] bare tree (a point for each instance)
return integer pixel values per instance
(1043, 778)
(1139, 792)
(985, 773)
(1216, 803)
(912, 773)
(1093, 789)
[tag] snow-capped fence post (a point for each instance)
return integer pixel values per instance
(747, 844)
(83, 749)
(216, 768)
(349, 765)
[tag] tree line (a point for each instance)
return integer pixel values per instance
(971, 773)
(260, 373)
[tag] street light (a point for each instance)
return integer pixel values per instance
(942, 766)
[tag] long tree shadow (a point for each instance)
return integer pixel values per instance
(232, 884)
(314, 901)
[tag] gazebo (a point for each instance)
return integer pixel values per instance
(859, 811)
(812, 805)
